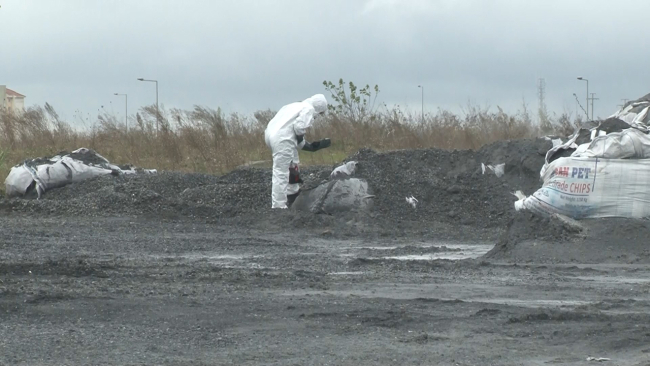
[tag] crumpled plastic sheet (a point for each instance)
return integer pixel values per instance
(498, 169)
(346, 169)
(58, 171)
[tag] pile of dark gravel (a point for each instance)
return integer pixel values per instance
(449, 186)
(167, 194)
(555, 239)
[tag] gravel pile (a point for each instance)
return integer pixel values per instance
(167, 194)
(533, 239)
(449, 186)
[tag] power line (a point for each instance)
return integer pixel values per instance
(578, 102)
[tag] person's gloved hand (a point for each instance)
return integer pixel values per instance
(324, 143)
(301, 141)
(317, 145)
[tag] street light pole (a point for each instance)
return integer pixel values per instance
(126, 111)
(157, 109)
(592, 104)
(587, 106)
(421, 87)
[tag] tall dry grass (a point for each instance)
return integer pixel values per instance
(206, 140)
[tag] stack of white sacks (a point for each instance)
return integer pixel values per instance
(607, 176)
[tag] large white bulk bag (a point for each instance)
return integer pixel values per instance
(581, 188)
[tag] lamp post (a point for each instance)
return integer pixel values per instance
(157, 110)
(421, 87)
(126, 111)
(592, 104)
(587, 105)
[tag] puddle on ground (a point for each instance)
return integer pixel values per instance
(531, 303)
(389, 248)
(204, 256)
(447, 251)
(222, 260)
(217, 257)
(417, 293)
(346, 273)
(614, 280)
(467, 251)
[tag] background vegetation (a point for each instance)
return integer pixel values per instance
(208, 141)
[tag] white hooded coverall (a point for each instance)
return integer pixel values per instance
(280, 135)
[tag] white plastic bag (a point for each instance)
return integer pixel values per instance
(346, 169)
(627, 144)
(498, 169)
(412, 201)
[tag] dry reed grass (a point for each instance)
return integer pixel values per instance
(205, 140)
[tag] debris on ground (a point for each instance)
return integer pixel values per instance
(36, 176)
(412, 201)
(598, 359)
(497, 169)
(346, 169)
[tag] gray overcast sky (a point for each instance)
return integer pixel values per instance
(245, 55)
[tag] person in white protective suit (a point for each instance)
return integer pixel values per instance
(285, 135)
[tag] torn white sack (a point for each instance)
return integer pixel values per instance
(498, 169)
(346, 169)
(592, 187)
(43, 174)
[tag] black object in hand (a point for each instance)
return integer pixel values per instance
(324, 143)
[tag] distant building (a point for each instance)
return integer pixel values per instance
(11, 100)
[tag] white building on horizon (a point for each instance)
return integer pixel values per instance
(11, 100)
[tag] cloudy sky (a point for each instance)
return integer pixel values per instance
(245, 55)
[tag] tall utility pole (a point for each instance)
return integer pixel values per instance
(421, 87)
(623, 104)
(592, 104)
(541, 94)
(587, 106)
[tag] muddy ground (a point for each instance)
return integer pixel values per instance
(167, 271)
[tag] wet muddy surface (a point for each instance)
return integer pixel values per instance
(135, 291)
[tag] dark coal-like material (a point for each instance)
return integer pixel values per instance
(87, 157)
(613, 125)
(534, 239)
(449, 186)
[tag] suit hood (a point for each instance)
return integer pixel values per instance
(317, 101)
